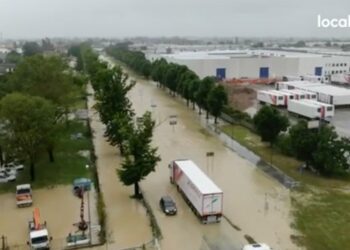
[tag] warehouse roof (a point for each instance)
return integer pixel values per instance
(230, 54)
(199, 179)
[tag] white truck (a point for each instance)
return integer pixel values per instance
(271, 97)
(24, 195)
(200, 192)
(311, 109)
(38, 234)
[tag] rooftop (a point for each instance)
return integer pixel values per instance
(199, 179)
(229, 54)
(320, 88)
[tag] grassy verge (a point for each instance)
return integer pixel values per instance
(324, 221)
(323, 217)
(67, 166)
(288, 165)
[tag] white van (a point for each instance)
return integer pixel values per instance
(256, 246)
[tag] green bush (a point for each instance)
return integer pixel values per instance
(284, 144)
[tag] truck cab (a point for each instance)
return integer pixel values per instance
(39, 239)
(38, 234)
(24, 195)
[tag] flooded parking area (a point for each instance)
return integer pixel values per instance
(58, 207)
(253, 201)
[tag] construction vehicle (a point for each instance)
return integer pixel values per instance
(24, 195)
(38, 234)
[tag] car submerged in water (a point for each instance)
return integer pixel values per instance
(167, 205)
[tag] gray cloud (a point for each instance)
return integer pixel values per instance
(120, 18)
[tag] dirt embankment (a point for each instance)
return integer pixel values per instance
(241, 96)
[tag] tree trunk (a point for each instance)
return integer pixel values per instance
(187, 102)
(136, 190)
(207, 116)
(51, 156)
(216, 120)
(121, 149)
(32, 171)
(1, 157)
(193, 106)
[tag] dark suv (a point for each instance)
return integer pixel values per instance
(167, 205)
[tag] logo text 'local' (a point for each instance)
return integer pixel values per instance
(333, 22)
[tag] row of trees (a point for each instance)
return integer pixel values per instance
(206, 93)
(324, 151)
(34, 105)
(132, 135)
(321, 149)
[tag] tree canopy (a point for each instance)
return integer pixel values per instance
(269, 123)
(31, 49)
(141, 157)
(28, 121)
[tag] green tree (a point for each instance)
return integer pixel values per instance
(13, 57)
(192, 89)
(141, 158)
(217, 99)
(28, 121)
(47, 77)
(31, 49)
(202, 94)
(331, 156)
(269, 123)
(113, 104)
(303, 141)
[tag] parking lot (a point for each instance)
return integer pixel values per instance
(58, 207)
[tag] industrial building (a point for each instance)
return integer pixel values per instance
(258, 63)
(335, 95)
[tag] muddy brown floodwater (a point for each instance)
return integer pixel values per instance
(253, 201)
(127, 222)
(58, 207)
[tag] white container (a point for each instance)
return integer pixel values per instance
(200, 192)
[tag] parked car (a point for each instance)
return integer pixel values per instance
(256, 246)
(8, 171)
(15, 165)
(167, 205)
(4, 177)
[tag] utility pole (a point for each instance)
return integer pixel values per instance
(3, 243)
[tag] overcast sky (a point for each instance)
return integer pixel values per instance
(125, 18)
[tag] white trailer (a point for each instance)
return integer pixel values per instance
(271, 97)
(286, 95)
(200, 192)
(315, 79)
(291, 78)
(311, 109)
(301, 94)
(342, 79)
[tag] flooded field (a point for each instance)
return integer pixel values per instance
(253, 201)
(127, 222)
(58, 207)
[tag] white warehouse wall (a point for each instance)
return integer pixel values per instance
(279, 65)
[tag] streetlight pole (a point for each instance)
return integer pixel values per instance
(89, 212)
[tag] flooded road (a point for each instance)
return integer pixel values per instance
(253, 201)
(127, 222)
(58, 207)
